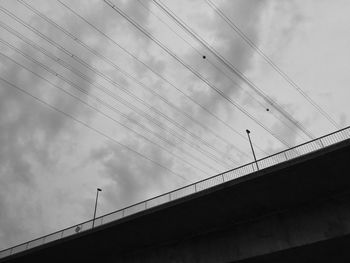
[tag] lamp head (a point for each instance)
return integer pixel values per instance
(98, 189)
(248, 131)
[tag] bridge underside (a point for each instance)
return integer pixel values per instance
(331, 250)
(297, 211)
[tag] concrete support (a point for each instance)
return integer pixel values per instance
(300, 226)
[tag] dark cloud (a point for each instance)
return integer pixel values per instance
(247, 15)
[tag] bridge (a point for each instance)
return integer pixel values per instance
(296, 208)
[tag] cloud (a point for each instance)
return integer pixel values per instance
(131, 178)
(231, 47)
(32, 135)
(27, 132)
(49, 167)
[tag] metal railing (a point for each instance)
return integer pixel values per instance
(246, 169)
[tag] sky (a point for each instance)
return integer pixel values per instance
(115, 94)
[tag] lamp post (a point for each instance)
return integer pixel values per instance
(251, 146)
(93, 222)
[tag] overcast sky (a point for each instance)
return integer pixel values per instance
(89, 100)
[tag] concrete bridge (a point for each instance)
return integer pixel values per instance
(295, 211)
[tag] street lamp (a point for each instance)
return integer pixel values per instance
(93, 222)
(251, 146)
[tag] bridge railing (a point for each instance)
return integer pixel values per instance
(269, 161)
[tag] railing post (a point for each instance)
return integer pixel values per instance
(222, 176)
(285, 156)
(321, 143)
(195, 188)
